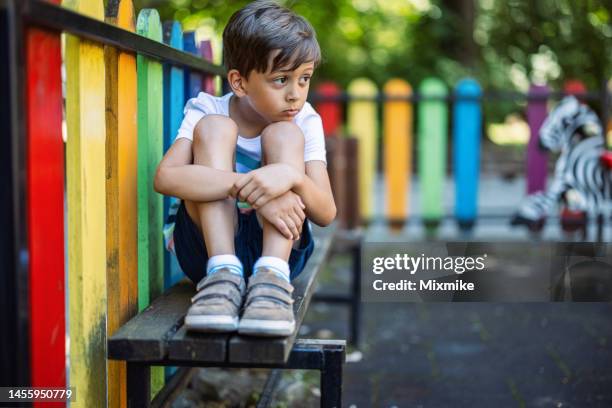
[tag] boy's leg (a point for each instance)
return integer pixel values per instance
(269, 310)
(216, 306)
(214, 144)
(281, 142)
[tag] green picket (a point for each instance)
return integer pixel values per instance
(150, 150)
(432, 135)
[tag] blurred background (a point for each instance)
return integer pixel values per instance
(503, 44)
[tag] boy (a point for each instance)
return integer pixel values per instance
(262, 147)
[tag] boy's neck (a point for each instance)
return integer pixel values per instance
(250, 123)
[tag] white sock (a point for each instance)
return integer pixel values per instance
(278, 265)
(229, 261)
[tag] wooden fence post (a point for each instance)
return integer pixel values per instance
(45, 208)
(331, 116)
(85, 175)
(330, 111)
(174, 102)
(208, 81)
(467, 132)
(433, 121)
(121, 190)
(397, 144)
(363, 124)
(150, 150)
(193, 80)
(536, 158)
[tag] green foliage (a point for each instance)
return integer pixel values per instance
(550, 40)
(503, 43)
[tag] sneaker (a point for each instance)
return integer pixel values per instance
(268, 307)
(216, 305)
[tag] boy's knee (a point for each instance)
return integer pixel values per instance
(287, 134)
(215, 129)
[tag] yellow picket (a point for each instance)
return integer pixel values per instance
(397, 142)
(85, 167)
(121, 188)
(363, 124)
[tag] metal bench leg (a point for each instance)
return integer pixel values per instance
(331, 377)
(356, 296)
(138, 385)
(327, 356)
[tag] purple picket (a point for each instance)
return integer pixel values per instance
(208, 81)
(193, 80)
(536, 158)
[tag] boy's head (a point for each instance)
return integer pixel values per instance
(267, 44)
(254, 32)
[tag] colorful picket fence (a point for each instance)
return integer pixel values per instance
(104, 225)
(433, 106)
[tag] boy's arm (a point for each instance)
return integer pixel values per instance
(260, 186)
(315, 191)
(177, 176)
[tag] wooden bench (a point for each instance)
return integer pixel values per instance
(157, 337)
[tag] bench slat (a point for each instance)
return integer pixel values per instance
(143, 337)
(245, 349)
(201, 348)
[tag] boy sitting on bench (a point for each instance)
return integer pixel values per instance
(250, 169)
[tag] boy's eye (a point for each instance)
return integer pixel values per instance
(280, 80)
(305, 78)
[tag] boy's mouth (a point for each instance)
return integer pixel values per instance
(291, 112)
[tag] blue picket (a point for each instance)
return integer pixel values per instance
(174, 100)
(467, 125)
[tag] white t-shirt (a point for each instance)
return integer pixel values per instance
(248, 150)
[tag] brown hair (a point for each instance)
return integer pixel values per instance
(262, 27)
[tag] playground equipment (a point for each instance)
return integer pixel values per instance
(581, 177)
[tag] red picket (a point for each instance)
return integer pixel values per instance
(45, 209)
(330, 111)
(575, 87)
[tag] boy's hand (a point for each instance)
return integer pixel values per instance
(286, 213)
(265, 183)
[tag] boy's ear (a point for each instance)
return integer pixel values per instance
(236, 82)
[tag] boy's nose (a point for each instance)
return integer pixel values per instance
(292, 95)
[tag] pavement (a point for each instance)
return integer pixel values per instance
(471, 354)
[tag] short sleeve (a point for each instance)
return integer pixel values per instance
(195, 109)
(314, 137)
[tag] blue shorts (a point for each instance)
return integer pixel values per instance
(248, 242)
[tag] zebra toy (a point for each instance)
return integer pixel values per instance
(580, 180)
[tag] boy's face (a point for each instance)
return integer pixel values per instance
(278, 95)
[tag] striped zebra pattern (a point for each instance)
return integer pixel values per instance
(574, 130)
